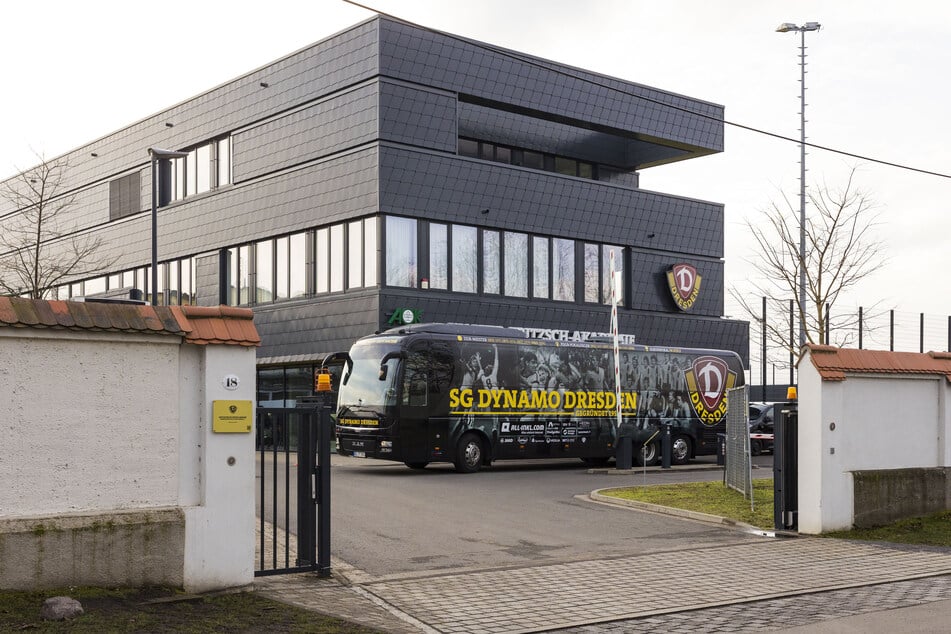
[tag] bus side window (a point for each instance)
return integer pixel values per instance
(416, 389)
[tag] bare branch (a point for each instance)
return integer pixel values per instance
(840, 251)
(37, 253)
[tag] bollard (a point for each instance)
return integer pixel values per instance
(624, 457)
(665, 448)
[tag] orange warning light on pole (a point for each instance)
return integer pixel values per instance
(322, 380)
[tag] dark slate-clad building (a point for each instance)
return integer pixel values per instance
(391, 174)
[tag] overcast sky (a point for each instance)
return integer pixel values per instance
(877, 85)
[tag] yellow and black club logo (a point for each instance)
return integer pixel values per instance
(684, 284)
(708, 379)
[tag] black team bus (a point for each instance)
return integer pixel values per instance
(470, 394)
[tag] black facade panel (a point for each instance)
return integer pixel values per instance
(487, 72)
(326, 324)
(414, 116)
(340, 122)
(456, 189)
(648, 273)
(657, 329)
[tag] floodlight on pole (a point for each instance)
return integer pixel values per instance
(156, 155)
(787, 27)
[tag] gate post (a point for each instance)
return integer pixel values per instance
(324, 436)
(786, 465)
(306, 502)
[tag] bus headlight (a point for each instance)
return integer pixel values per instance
(386, 444)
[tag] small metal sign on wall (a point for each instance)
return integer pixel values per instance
(232, 417)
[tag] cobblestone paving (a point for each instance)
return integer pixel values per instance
(566, 595)
(763, 616)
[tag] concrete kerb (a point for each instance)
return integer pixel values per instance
(654, 469)
(597, 496)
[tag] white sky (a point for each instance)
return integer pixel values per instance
(877, 85)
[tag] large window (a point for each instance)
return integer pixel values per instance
(465, 259)
(606, 250)
(401, 252)
(355, 254)
(563, 269)
(264, 271)
(516, 264)
(438, 256)
(370, 249)
(592, 273)
(336, 258)
(540, 268)
(491, 255)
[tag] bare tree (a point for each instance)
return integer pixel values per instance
(38, 250)
(841, 251)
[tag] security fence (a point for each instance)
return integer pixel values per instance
(857, 327)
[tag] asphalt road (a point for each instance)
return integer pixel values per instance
(388, 519)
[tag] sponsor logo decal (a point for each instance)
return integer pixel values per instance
(405, 317)
(501, 402)
(684, 283)
(359, 422)
(708, 379)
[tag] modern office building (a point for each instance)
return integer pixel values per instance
(390, 174)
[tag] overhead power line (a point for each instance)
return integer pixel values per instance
(538, 64)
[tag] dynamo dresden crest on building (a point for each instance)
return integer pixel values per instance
(708, 379)
(684, 283)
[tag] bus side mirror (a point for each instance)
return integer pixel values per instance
(384, 369)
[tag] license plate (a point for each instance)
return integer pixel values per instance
(359, 454)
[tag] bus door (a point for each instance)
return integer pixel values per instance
(424, 419)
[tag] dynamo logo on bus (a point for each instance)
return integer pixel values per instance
(708, 379)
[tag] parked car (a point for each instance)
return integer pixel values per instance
(761, 422)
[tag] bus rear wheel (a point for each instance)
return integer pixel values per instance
(469, 454)
(416, 465)
(680, 450)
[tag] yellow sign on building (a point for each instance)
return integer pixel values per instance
(232, 416)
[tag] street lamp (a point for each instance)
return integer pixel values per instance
(787, 27)
(157, 155)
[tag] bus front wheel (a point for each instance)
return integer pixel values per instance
(469, 454)
(680, 450)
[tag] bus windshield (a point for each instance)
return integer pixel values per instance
(369, 383)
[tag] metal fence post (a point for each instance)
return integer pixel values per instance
(324, 436)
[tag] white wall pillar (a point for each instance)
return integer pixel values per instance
(219, 531)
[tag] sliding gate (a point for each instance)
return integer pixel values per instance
(292, 500)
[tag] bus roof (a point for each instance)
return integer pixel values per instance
(477, 330)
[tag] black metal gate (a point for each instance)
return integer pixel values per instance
(293, 494)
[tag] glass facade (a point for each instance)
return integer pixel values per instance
(344, 256)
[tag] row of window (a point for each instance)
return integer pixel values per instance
(207, 167)
(177, 282)
(417, 254)
(326, 260)
(467, 259)
(526, 158)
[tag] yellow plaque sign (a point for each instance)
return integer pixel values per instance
(232, 416)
